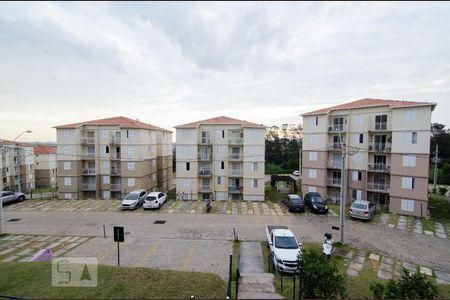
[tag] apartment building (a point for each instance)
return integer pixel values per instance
(45, 166)
(387, 146)
(108, 158)
(220, 158)
(17, 165)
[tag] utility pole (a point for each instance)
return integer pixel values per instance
(342, 201)
(436, 157)
(18, 168)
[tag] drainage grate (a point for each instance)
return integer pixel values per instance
(159, 222)
(13, 220)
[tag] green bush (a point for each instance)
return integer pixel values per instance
(442, 190)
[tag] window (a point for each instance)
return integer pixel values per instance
(312, 189)
(407, 205)
(358, 119)
(220, 196)
(312, 156)
(381, 122)
(186, 183)
(68, 196)
(131, 182)
(414, 138)
(105, 164)
(222, 165)
(410, 138)
(313, 139)
(106, 180)
(104, 134)
(312, 173)
(66, 150)
(219, 180)
(30, 176)
(186, 151)
(315, 120)
(220, 150)
(67, 165)
(130, 133)
(255, 167)
(188, 166)
(106, 149)
(130, 150)
(106, 194)
(357, 176)
(357, 157)
(252, 149)
(361, 138)
(154, 176)
(185, 133)
(353, 194)
(66, 134)
(255, 183)
(67, 181)
(130, 166)
(408, 183)
(409, 160)
(223, 134)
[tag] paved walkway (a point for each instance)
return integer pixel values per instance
(254, 282)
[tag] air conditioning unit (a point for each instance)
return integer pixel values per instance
(370, 147)
(330, 128)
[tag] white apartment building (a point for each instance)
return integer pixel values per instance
(45, 166)
(388, 144)
(220, 158)
(17, 164)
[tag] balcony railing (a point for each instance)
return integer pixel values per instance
(337, 128)
(204, 172)
(115, 140)
(115, 187)
(203, 156)
(88, 156)
(87, 171)
(334, 181)
(336, 146)
(235, 140)
(235, 157)
(88, 140)
(379, 187)
(235, 189)
(235, 172)
(379, 126)
(115, 156)
(115, 171)
(334, 164)
(380, 147)
(379, 167)
(88, 186)
(204, 188)
(205, 141)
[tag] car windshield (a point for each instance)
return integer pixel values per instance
(285, 242)
(150, 198)
(316, 199)
(296, 200)
(131, 197)
(359, 206)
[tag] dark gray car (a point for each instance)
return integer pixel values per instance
(294, 203)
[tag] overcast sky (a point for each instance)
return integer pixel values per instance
(173, 63)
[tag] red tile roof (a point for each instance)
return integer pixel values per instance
(42, 149)
(222, 120)
(7, 142)
(118, 121)
(367, 102)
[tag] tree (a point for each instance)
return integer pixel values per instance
(409, 286)
(320, 277)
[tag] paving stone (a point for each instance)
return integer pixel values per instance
(441, 235)
(383, 219)
(355, 266)
(387, 260)
(349, 255)
(82, 240)
(386, 267)
(426, 271)
(427, 232)
(384, 275)
(442, 275)
(362, 253)
(65, 239)
(442, 282)
(352, 273)
(24, 259)
(44, 238)
(409, 266)
(59, 252)
(10, 258)
(54, 245)
(391, 225)
(374, 256)
(25, 252)
(70, 246)
(7, 251)
(359, 259)
(73, 239)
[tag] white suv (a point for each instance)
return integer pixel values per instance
(154, 200)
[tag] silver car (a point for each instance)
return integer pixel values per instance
(133, 200)
(362, 209)
(8, 197)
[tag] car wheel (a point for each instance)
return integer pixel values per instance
(21, 198)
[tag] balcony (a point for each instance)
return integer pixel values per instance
(235, 157)
(235, 173)
(378, 187)
(88, 140)
(334, 164)
(235, 141)
(337, 128)
(87, 171)
(115, 156)
(335, 181)
(379, 147)
(335, 146)
(204, 157)
(88, 156)
(379, 167)
(115, 140)
(204, 188)
(204, 173)
(115, 187)
(379, 126)
(88, 186)
(115, 171)
(205, 141)
(235, 189)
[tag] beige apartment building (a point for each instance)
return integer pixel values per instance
(45, 166)
(220, 158)
(108, 158)
(17, 157)
(387, 144)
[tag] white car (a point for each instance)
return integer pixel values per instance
(133, 200)
(154, 200)
(8, 197)
(284, 248)
(296, 173)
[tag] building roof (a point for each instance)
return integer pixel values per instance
(7, 142)
(222, 120)
(43, 149)
(368, 102)
(117, 121)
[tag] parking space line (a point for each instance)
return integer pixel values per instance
(188, 257)
(108, 253)
(150, 251)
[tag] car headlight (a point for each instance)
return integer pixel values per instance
(326, 207)
(315, 206)
(278, 260)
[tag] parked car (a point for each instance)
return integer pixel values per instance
(154, 200)
(294, 203)
(362, 209)
(296, 173)
(316, 203)
(134, 199)
(8, 197)
(284, 248)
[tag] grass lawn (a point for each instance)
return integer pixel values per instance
(271, 194)
(43, 190)
(427, 224)
(439, 207)
(171, 194)
(335, 208)
(393, 218)
(33, 280)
